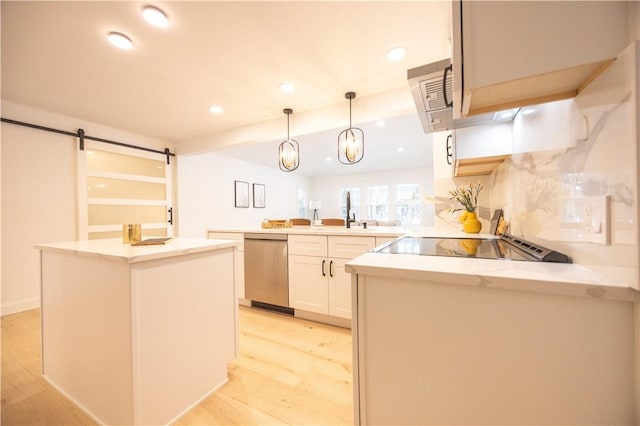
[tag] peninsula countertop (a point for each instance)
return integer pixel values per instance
(115, 250)
(537, 277)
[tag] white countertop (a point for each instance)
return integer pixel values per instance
(539, 277)
(373, 231)
(543, 277)
(115, 250)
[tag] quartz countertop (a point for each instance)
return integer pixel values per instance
(539, 277)
(373, 231)
(543, 277)
(115, 250)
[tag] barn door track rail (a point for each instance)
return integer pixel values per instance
(82, 136)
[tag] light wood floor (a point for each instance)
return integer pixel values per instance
(289, 371)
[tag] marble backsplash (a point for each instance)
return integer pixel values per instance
(570, 158)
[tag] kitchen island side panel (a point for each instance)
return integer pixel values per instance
(184, 331)
(433, 353)
(86, 333)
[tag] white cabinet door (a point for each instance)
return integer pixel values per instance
(308, 283)
(307, 245)
(508, 59)
(349, 247)
(339, 289)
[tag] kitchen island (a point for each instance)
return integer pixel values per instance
(444, 340)
(137, 335)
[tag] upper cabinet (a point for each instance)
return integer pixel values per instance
(512, 54)
(479, 150)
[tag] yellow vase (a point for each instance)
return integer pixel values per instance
(471, 224)
(470, 246)
(462, 216)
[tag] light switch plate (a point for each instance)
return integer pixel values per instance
(596, 219)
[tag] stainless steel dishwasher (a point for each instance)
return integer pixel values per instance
(266, 275)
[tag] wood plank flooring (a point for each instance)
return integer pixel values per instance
(289, 371)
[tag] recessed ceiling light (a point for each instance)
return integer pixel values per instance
(287, 87)
(120, 41)
(399, 149)
(380, 123)
(155, 16)
(396, 54)
(506, 114)
(216, 109)
(327, 159)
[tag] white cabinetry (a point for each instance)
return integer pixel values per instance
(238, 257)
(318, 282)
(471, 151)
(479, 150)
(509, 54)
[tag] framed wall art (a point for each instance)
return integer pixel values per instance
(258, 196)
(241, 193)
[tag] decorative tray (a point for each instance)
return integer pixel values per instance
(273, 224)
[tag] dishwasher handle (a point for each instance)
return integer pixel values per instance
(266, 236)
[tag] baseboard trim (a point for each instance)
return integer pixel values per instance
(327, 319)
(72, 399)
(20, 305)
(199, 401)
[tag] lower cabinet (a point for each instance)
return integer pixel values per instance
(339, 289)
(318, 283)
(308, 283)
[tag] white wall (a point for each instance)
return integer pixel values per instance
(327, 189)
(38, 189)
(206, 197)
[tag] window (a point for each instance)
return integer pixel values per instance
(378, 202)
(301, 204)
(123, 186)
(408, 203)
(355, 201)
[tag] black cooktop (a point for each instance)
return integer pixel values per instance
(504, 247)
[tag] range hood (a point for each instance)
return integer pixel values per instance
(432, 90)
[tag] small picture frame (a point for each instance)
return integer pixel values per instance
(241, 193)
(258, 196)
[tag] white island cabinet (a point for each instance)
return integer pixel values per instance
(137, 335)
(442, 341)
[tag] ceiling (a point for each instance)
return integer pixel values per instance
(55, 57)
(394, 143)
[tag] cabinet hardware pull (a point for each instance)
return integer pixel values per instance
(447, 70)
(331, 268)
(449, 149)
(170, 215)
(323, 273)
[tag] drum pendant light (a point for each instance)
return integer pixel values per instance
(351, 140)
(289, 150)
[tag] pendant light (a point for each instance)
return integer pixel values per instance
(351, 140)
(289, 150)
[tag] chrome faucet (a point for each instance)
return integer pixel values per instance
(348, 218)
